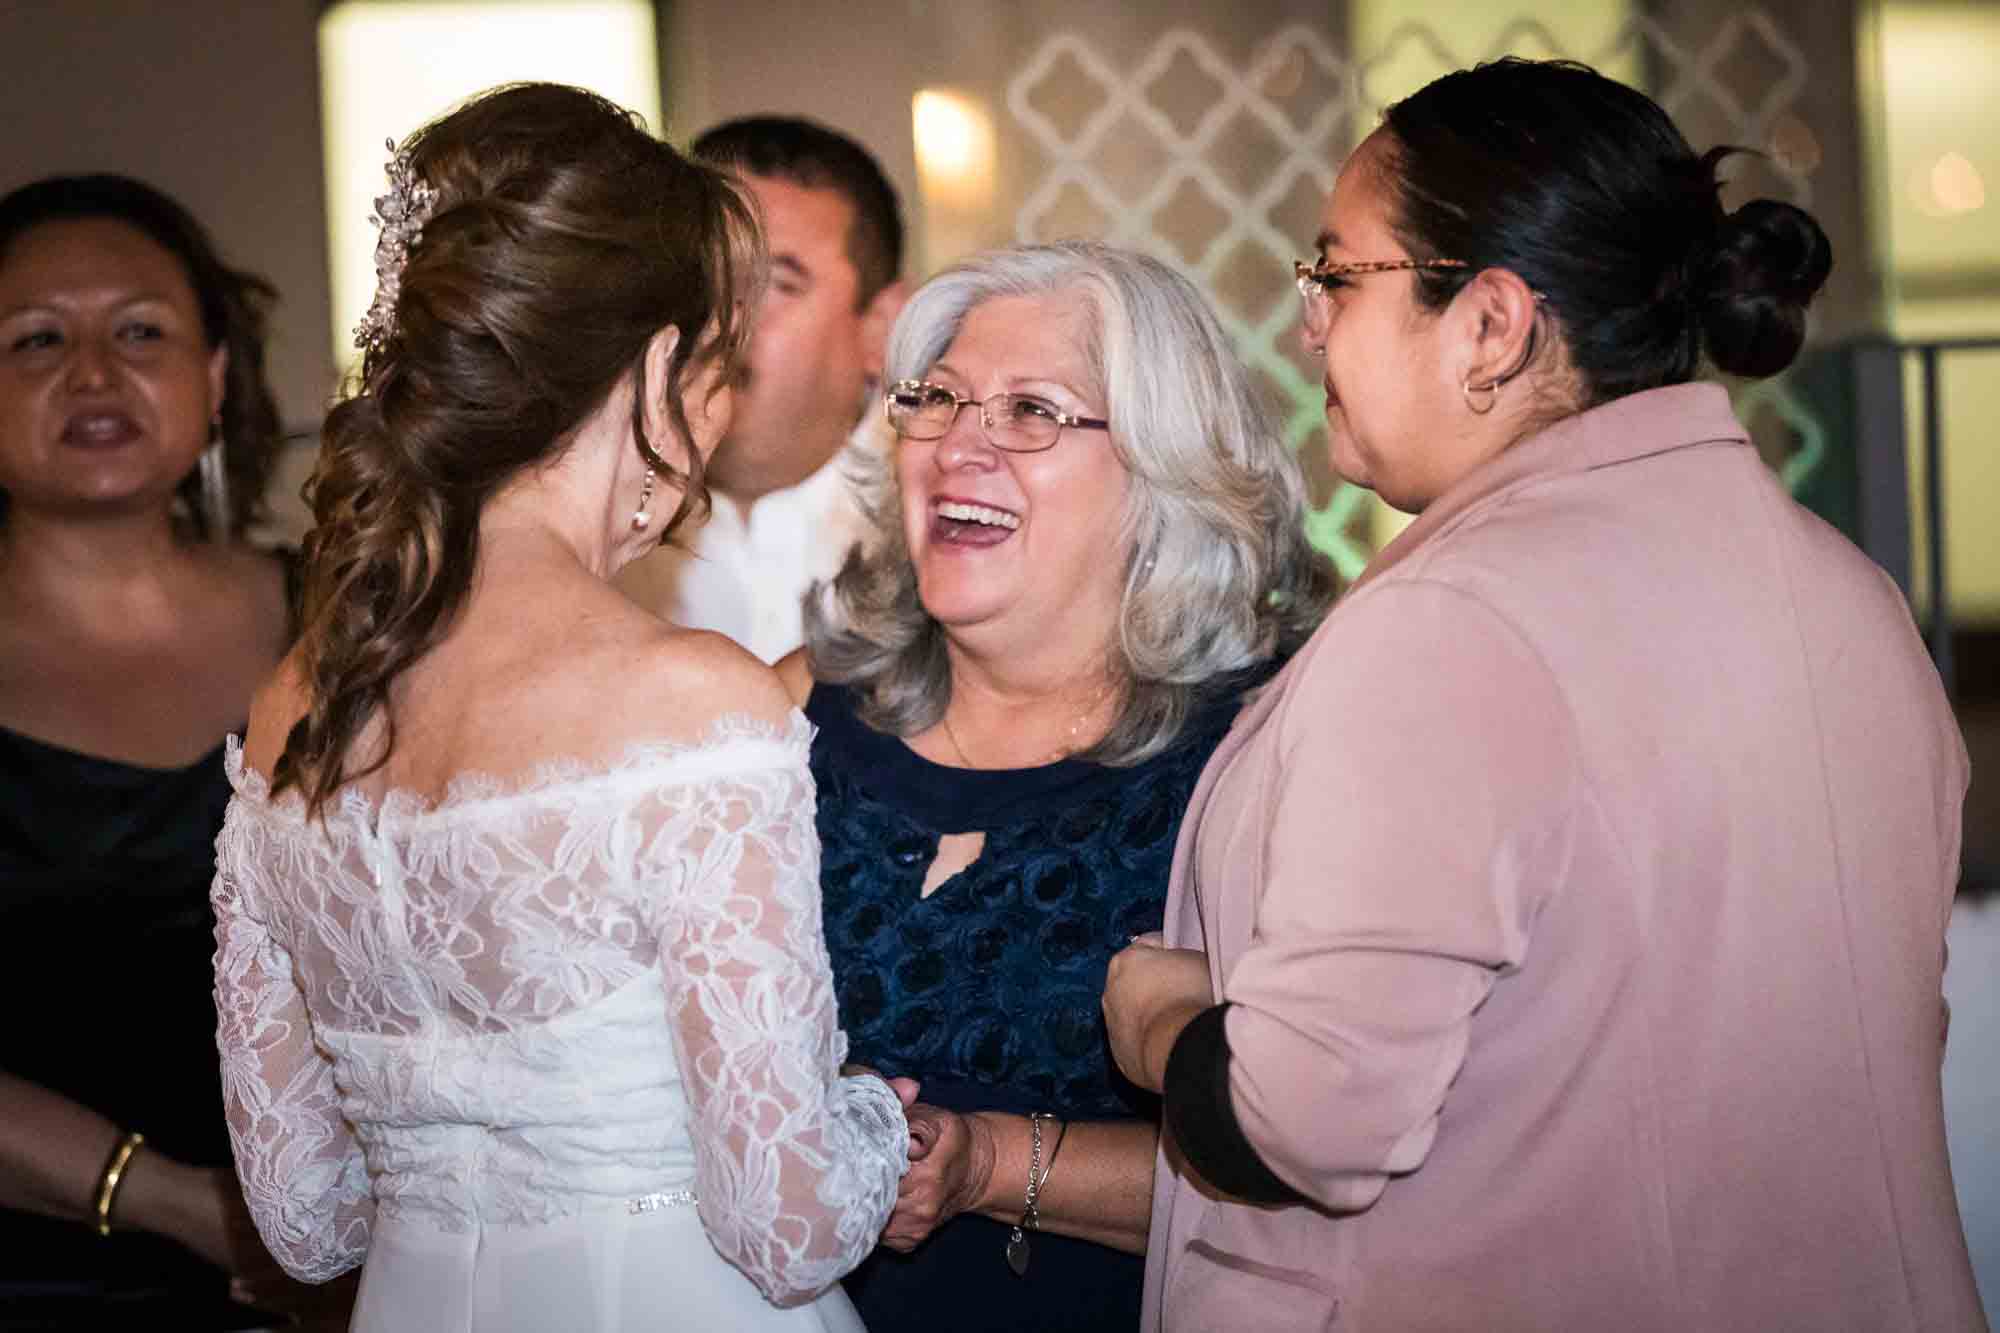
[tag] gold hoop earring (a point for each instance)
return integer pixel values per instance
(1478, 406)
(642, 518)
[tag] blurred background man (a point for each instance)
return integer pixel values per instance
(785, 509)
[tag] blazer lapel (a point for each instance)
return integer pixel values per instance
(1183, 881)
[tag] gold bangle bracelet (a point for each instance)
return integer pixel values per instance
(114, 1175)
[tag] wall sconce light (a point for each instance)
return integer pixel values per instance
(954, 143)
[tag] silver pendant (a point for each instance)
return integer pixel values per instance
(1017, 1252)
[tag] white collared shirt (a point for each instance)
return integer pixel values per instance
(745, 571)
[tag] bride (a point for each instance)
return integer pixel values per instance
(522, 991)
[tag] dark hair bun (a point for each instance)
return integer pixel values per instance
(1585, 189)
(1770, 260)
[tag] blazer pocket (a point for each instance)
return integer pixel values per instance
(1213, 1291)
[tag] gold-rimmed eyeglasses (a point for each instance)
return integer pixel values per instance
(1318, 282)
(1017, 423)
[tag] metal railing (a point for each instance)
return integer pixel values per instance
(1929, 354)
(1881, 458)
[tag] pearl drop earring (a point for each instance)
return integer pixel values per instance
(643, 517)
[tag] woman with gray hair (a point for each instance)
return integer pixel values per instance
(1089, 547)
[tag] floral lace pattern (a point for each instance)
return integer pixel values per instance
(455, 1010)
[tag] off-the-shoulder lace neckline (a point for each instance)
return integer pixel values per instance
(472, 790)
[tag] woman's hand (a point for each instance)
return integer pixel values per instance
(1150, 993)
(904, 1088)
(951, 1167)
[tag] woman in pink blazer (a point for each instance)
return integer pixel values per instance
(1557, 942)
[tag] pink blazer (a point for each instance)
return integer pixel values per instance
(1580, 890)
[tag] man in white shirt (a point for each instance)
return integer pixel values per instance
(785, 509)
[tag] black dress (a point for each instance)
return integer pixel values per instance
(106, 992)
(107, 997)
(988, 991)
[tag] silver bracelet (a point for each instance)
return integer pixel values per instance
(1017, 1243)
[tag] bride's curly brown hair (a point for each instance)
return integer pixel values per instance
(563, 237)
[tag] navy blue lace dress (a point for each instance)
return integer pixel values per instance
(988, 990)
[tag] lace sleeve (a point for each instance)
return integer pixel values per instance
(796, 1167)
(300, 1166)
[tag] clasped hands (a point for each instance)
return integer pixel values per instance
(951, 1166)
(951, 1170)
(1151, 992)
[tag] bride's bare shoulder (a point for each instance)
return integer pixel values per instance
(683, 680)
(570, 675)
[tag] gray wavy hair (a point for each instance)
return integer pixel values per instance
(1218, 574)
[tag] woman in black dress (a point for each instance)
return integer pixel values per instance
(136, 436)
(1090, 545)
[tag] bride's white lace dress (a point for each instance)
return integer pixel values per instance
(557, 1054)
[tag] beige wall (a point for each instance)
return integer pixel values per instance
(835, 63)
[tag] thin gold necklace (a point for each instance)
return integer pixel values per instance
(1069, 744)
